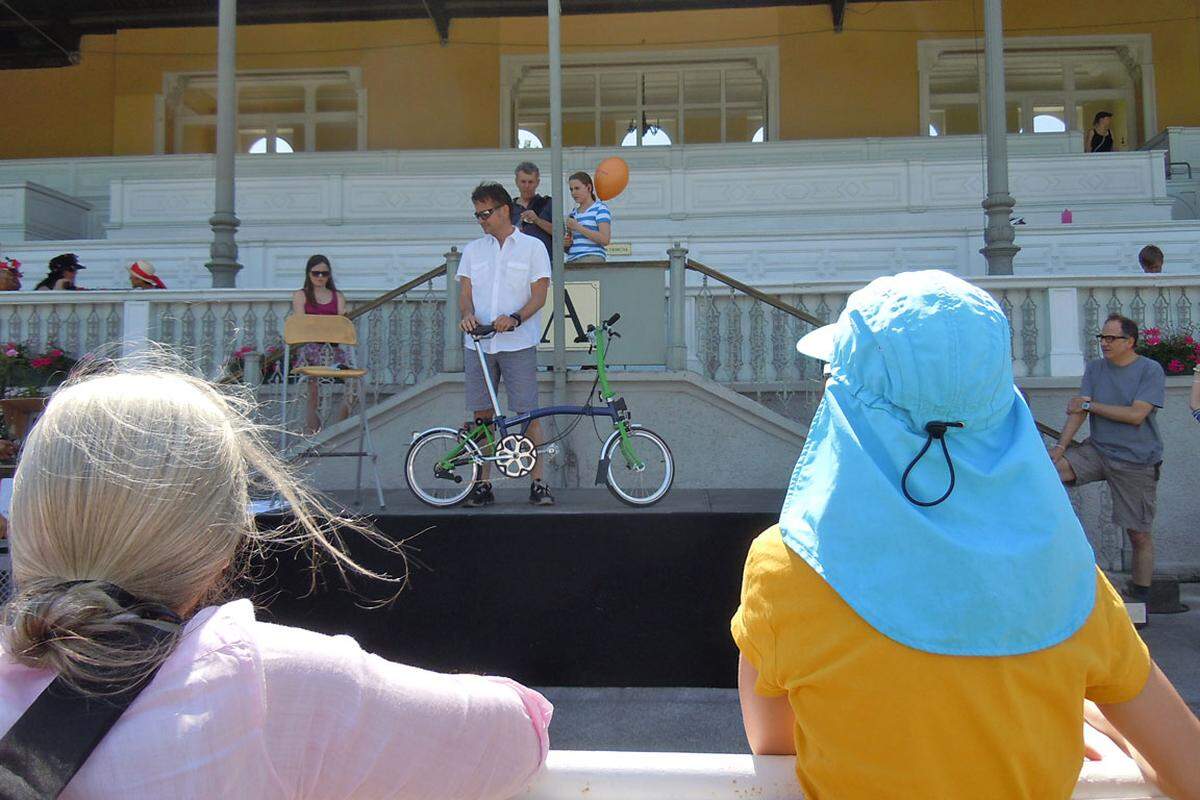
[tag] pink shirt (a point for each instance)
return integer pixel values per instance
(249, 709)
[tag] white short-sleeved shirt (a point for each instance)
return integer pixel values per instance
(248, 709)
(501, 279)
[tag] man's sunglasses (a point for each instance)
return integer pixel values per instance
(1107, 339)
(486, 213)
(320, 273)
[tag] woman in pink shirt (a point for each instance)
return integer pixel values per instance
(130, 513)
(320, 295)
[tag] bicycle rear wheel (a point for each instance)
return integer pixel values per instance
(421, 468)
(642, 485)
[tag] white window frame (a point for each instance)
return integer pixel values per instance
(766, 59)
(174, 84)
(1133, 50)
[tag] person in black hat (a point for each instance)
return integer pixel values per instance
(62, 273)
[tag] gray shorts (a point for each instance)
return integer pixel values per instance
(1134, 487)
(519, 370)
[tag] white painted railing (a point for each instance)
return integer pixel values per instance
(89, 179)
(400, 342)
(768, 194)
(1054, 321)
(570, 775)
(729, 337)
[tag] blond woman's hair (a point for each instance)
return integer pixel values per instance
(139, 475)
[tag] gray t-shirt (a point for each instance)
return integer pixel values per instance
(1107, 383)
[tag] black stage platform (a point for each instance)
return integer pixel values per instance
(588, 593)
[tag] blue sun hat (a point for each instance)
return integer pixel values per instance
(923, 495)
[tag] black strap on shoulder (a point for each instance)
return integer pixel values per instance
(54, 737)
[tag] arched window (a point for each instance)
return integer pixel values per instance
(650, 137)
(281, 145)
(1048, 123)
(528, 139)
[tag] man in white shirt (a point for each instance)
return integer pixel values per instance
(503, 280)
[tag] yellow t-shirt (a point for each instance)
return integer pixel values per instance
(877, 719)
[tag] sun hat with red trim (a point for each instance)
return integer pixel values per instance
(144, 270)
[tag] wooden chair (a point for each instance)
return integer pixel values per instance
(300, 329)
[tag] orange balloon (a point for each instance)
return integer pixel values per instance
(611, 177)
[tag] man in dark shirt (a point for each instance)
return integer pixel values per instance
(1120, 395)
(533, 213)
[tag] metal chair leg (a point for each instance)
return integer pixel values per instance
(283, 431)
(362, 435)
(370, 448)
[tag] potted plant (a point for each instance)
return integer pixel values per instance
(1177, 352)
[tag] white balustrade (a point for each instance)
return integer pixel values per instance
(729, 337)
(399, 342)
(88, 179)
(1053, 320)
(674, 199)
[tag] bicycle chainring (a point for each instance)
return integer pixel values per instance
(516, 455)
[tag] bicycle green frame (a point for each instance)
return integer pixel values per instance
(502, 423)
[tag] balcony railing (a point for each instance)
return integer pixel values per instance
(727, 335)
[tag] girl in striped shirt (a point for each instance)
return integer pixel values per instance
(589, 226)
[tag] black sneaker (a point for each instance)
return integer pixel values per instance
(481, 495)
(539, 494)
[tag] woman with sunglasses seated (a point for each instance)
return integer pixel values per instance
(130, 529)
(320, 296)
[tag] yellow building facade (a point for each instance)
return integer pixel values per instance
(897, 69)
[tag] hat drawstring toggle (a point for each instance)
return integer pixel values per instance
(934, 430)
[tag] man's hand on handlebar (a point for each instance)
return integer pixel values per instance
(468, 323)
(504, 323)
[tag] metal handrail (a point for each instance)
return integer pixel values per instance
(769, 299)
(404, 288)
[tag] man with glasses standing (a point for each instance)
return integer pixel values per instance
(1120, 396)
(503, 279)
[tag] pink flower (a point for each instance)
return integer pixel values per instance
(1175, 365)
(1188, 340)
(11, 353)
(242, 351)
(1152, 331)
(56, 353)
(1153, 339)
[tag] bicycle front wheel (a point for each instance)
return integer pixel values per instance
(645, 480)
(428, 481)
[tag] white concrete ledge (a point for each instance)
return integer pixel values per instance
(693, 776)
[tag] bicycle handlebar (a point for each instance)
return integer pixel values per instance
(482, 330)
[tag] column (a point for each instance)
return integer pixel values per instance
(998, 236)
(452, 351)
(224, 265)
(676, 300)
(558, 272)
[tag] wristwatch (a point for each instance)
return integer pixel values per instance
(517, 319)
(1086, 405)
